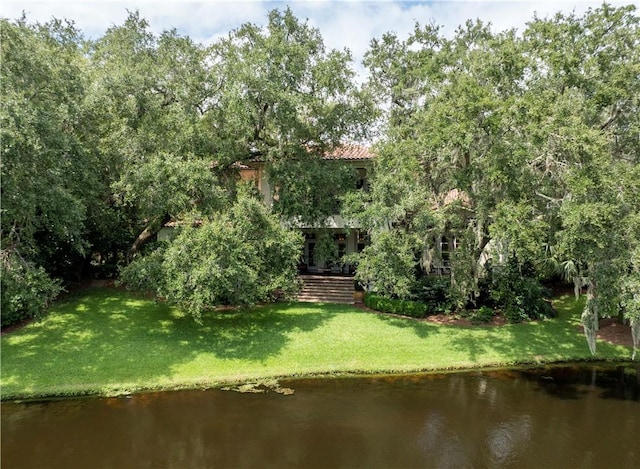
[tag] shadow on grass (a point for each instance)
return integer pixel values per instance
(254, 335)
(112, 336)
(421, 329)
(558, 339)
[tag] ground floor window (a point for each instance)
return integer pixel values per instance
(445, 251)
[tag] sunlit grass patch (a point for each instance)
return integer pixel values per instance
(111, 341)
(568, 308)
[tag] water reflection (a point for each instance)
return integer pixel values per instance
(561, 417)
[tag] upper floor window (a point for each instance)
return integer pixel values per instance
(361, 179)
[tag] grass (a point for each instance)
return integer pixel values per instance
(109, 341)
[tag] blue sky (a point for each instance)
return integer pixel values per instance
(351, 24)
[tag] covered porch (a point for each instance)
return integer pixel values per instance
(325, 249)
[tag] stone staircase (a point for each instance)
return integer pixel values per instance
(326, 289)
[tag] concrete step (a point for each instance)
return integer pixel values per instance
(326, 289)
(325, 299)
(326, 279)
(339, 286)
(319, 295)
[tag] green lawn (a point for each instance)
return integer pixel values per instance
(109, 341)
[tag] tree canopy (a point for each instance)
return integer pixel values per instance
(518, 151)
(521, 146)
(106, 141)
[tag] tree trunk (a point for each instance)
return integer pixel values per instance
(589, 326)
(589, 315)
(147, 235)
(635, 333)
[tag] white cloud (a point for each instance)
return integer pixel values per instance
(200, 20)
(350, 24)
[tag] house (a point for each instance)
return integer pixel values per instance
(344, 236)
(341, 236)
(436, 258)
(326, 243)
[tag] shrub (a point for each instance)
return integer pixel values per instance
(27, 290)
(389, 305)
(434, 291)
(145, 273)
(388, 264)
(515, 313)
(484, 314)
(521, 298)
(240, 257)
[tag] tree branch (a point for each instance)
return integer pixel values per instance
(615, 112)
(147, 235)
(550, 199)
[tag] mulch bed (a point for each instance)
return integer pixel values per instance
(16, 326)
(614, 332)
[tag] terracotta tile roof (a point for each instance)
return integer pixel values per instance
(350, 152)
(174, 223)
(454, 195)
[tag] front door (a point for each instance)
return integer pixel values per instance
(311, 259)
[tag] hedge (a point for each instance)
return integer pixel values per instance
(389, 305)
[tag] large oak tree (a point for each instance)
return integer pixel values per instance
(516, 145)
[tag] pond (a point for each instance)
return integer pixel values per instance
(566, 416)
